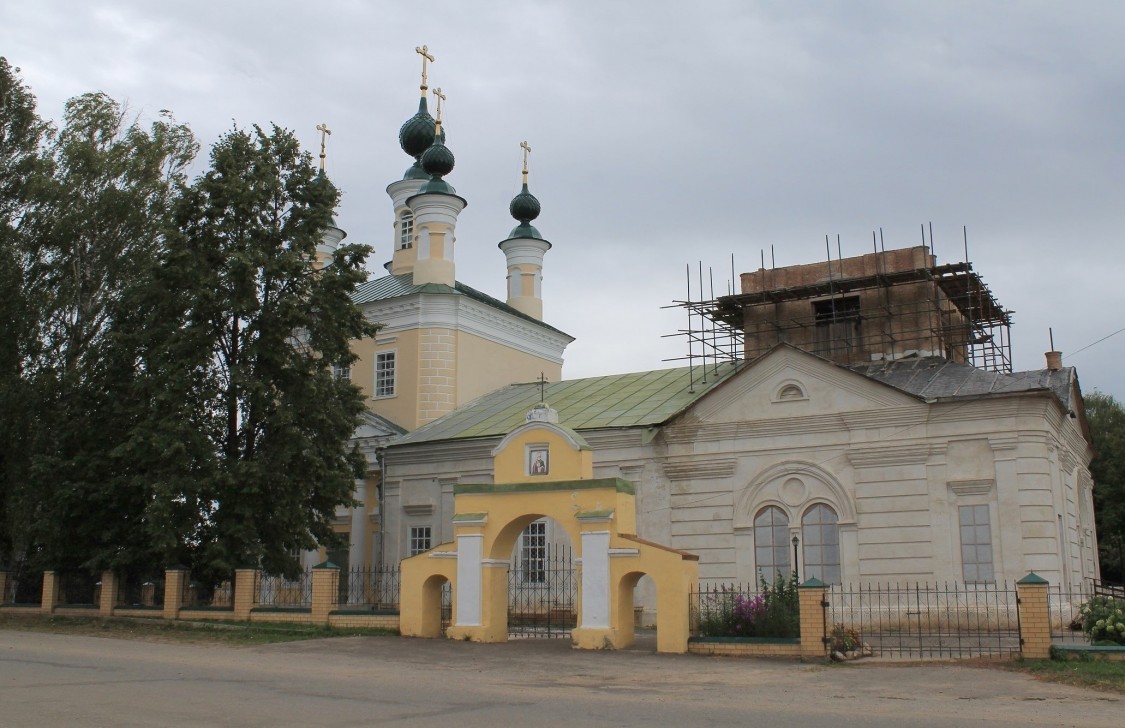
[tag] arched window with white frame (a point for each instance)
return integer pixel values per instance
(820, 535)
(771, 543)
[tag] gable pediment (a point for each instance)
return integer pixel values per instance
(790, 383)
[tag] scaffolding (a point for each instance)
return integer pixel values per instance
(935, 310)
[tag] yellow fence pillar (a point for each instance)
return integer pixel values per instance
(1035, 617)
(174, 579)
(50, 592)
(243, 597)
(108, 598)
(811, 598)
(325, 591)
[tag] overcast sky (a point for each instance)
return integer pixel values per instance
(668, 134)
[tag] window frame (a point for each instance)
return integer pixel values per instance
(819, 567)
(773, 528)
(381, 375)
(974, 544)
(405, 230)
(419, 536)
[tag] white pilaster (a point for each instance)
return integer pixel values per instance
(595, 580)
(469, 549)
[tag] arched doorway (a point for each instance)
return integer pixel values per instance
(542, 583)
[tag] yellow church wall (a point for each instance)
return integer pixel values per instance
(485, 366)
(567, 457)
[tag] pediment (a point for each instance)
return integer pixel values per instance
(789, 383)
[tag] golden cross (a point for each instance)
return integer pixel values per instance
(440, 98)
(526, 152)
(425, 53)
(325, 132)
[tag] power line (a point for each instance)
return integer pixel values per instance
(1084, 348)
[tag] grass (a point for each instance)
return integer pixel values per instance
(1087, 673)
(231, 634)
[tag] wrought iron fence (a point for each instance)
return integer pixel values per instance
(1065, 614)
(1109, 589)
(275, 590)
(78, 588)
(374, 588)
(746, 610)
(446, 607)
(208, 594)
(25, 587)
(542, 593)
(141, 591)
(924, 620)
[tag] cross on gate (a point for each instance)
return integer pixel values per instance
(542, 387)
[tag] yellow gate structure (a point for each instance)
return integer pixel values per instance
(543, 469)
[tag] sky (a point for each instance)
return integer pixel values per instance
(669, 136)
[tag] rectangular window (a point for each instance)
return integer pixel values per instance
(385, 374)
(837, 326)
(420, 539)
(344, 372)
(976, 543)
(533, 553)
(406, 230)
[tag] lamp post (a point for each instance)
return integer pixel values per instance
(796, 570)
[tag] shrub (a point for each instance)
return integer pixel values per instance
(844, 639)
(773, 612)
(1103, 620)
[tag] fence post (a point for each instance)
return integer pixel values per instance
(325, 591)
(174, 578)
(1035, 617)
(811, 596)
(50, 592)
(243, 597)
(107, 600)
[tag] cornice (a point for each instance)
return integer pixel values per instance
(982, 486)
(694, 469)
(875, 457)
(461, 313)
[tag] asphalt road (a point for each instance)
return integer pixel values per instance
(62, 680)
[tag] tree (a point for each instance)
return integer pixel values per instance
(1106, 418)
(93, 228)
(267, 326)
(21, 132)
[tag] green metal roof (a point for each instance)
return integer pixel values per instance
(618, 400)
(388, 287)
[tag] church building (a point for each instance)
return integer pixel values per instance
(869, 427)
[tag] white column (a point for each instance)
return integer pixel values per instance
(595, 579)
(469, 549)
(357, 545)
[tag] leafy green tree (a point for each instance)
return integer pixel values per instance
(266, 326)
(21, 133)
(1106, 418)
(94, 230)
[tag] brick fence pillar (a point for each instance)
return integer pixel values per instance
(50, 592)
(1035, 617)
(243, 598)
(325, 591)
(811, 595)
(5, 586)
(174, 579)
(108, 598)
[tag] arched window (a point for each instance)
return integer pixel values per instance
(821, 536)
(771, 543)
(406, 230)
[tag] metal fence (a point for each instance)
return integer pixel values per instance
(25, 587)
(141, 591)
(207, 594)
(542, 592)
(274, 590)
(78, 588)
(746, 610)
(928, 621)
(373, 588)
